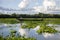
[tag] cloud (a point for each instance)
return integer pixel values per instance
(38, 8)
(47, 5)
(23, 4)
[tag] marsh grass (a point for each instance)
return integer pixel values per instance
(8, 20)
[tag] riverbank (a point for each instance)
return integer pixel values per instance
(14, 20)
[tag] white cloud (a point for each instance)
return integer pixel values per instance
(49, 4)
(38, 8)
(23, 4)
(46, 5)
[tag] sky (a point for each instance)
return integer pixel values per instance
(38, 5)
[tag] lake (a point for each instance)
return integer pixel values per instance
(5, 31)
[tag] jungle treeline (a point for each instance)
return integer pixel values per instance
(39, 15)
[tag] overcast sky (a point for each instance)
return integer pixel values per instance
(38, 5)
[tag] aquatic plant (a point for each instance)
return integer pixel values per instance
(13, 31)
(16, 38)
(46, 29)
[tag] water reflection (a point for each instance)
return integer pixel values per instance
(5, 30)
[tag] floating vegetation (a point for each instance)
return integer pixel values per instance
(43, 27)
(16, 38)
(13, 31)
(30, 24)
(46, 29)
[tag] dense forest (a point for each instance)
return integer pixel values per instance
(39, 15)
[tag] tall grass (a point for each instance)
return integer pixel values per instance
(8, 20)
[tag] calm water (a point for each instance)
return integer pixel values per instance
(5, 30)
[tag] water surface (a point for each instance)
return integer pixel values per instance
(5, 31)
